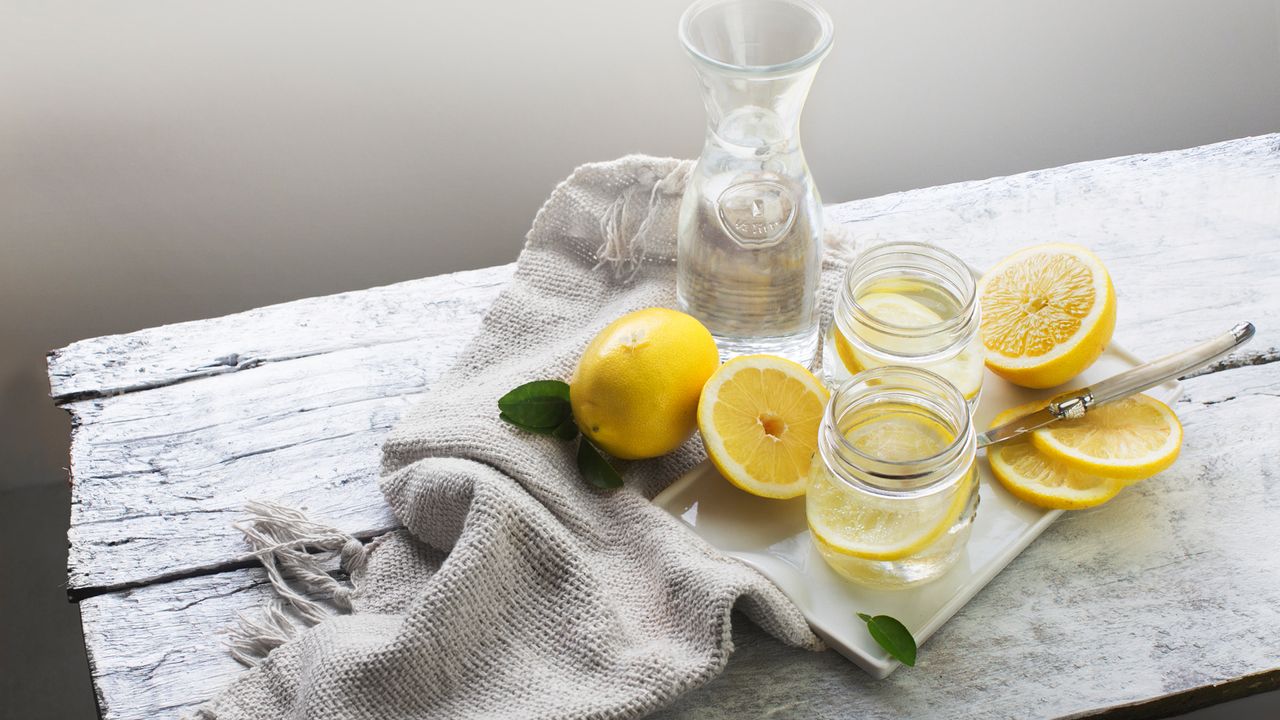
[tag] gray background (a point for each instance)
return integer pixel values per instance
(170, 160)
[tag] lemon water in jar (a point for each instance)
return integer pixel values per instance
(894, 500)
(911, 304)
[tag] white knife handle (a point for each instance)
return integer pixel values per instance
(1166, 368)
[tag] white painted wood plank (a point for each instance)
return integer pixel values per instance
(1191, 237)
(172, 353)
(1168, 588)
(159, 474)
(156, 651)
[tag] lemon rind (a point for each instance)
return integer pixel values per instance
(1044, 496)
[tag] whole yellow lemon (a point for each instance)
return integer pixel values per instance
(635, 392)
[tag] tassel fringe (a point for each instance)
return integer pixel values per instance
(293, 550)
(621, 251)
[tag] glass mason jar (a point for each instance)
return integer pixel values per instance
(894, 500)
(749, 235)
(911, 304)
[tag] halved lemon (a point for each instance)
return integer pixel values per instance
(1043, 481)
(759, 417)
(964, 371)
(1129, 439)
(1047, 314)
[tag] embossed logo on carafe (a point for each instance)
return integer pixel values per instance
(757, 213)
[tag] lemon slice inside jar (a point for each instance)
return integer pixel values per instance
(883, 528)
(964, 371)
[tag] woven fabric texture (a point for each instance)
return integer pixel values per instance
(515, 589)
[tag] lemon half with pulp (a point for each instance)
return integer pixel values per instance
(759, 418)
(1047, 314)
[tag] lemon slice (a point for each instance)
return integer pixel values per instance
(759, 417)
(892, 308)
(964, 371)
(1043, 481)
(898, 310)
(879, 528)
(891, 434)
(1047, 313)
(1129, 439)
(875, 527)
(846, 352)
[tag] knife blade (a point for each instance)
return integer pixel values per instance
(1013, 429)
(1077, 403)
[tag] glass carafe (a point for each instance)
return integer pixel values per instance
(750, 229)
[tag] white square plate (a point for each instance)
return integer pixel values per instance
(772, 537)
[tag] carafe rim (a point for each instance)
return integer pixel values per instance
(810, 58)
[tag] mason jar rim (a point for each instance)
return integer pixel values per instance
(936, 469)
(923, 250)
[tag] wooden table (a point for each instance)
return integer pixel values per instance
(1166, 598)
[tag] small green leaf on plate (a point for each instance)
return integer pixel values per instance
(595, 469)
(893, 636)
(538, 405)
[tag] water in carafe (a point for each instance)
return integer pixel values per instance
(750, 229)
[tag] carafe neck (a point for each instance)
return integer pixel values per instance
(755, 114)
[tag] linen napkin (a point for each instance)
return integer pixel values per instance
(515, 589)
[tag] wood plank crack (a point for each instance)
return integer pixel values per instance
(164, 356)
(1245, 358)
(237, 564)
(204, 371)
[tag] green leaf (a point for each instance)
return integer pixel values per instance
(522, 426)
(595, 469)
(538, 405)
(893, 636)
(567, 430)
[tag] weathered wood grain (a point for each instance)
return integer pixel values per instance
(1191, 237)
(164, 355)
(161, 475)
(1168, 588)
(158, 476)
(155, 651)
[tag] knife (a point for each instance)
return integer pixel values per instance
(1076, 403)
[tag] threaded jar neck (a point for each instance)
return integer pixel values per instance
(926, 266)
(912, 392)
